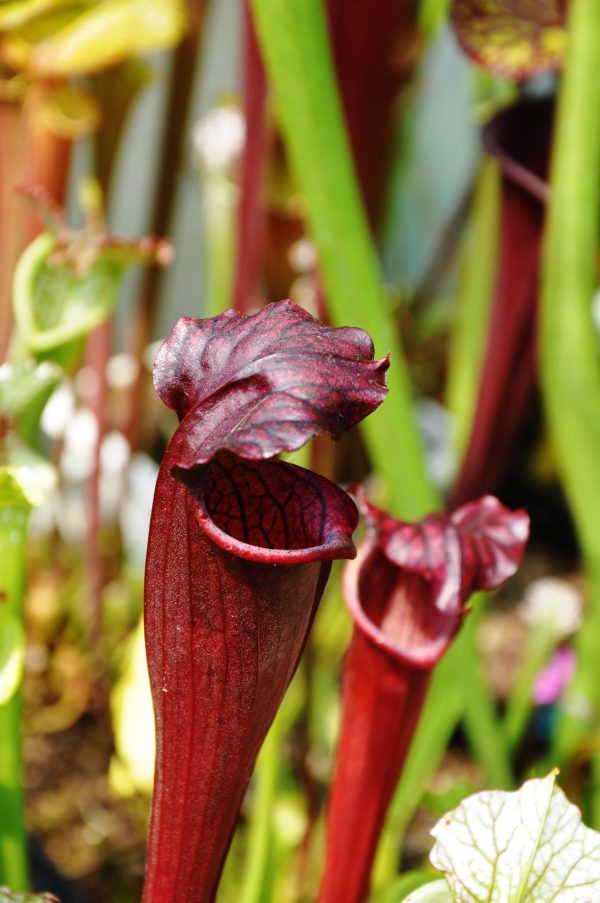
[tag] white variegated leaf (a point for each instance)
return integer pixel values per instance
(529, 846)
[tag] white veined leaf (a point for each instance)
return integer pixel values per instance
(529, 846)
(12, 647)
(434, 892)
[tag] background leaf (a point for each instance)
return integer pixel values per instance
(25, 479)
(17, 13)
(22, 383)
(90, 38)
(53, 304)
(522, 847)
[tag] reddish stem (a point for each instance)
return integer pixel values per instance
(382, 700)
(30, 154)
(252, 218)
(10, 238)
(97, 354)
(519, 138)
(376, 45)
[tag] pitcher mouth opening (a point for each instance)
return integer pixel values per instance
(395, 609)
(270, 511)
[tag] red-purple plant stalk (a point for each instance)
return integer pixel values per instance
(376, 45)
(239, 552)
(252, 210)
(31, 154)
(407, 593)
(519, 138)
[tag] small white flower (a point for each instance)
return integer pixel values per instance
(219, 138)
(554, 605)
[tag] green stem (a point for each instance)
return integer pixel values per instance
(13, 851)
(260, 844)
(457, 691)
(443, 709)
(294, 43)
(484, 730)
(219, 222)
(518, 709)
(570, 365)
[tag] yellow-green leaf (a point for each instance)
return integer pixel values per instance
(18, 12)
(69, 112)
(26, 479)
(22, 383)
(53, 304)
(107, 33)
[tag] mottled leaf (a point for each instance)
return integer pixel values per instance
(261, 385)
(515, 38)
(527, 846)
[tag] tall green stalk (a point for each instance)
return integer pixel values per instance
(13, 856)
(570, 363)
(294, 43)
(261, 841)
